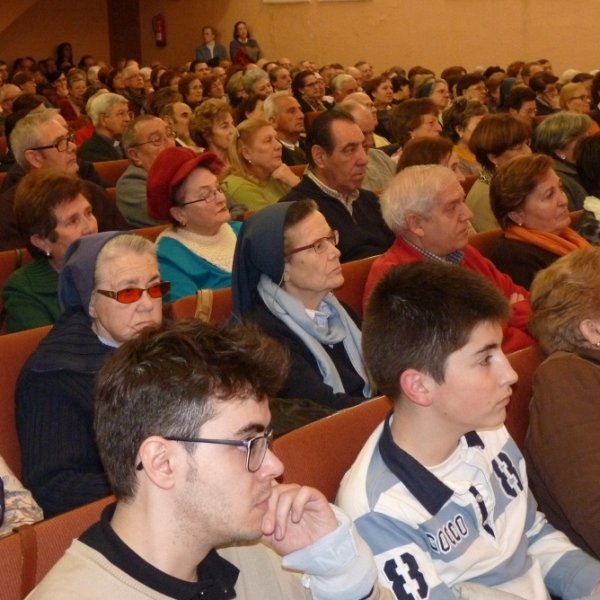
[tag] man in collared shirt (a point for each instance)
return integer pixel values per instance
(440, 489)
(425, 207)
(183, 429)
(110, 115)
(337, 165)
(284, 113)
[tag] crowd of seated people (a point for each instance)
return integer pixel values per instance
(211, 140)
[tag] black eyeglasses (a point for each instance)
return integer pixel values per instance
(256, 448)
(61, 145)
(321, 244)
(131, 295)
(210, 197)
(157, 140)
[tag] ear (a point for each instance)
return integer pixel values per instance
(516, 216)
(493, 159)
(416, 386)
(318, 155)
(590, 329)
(177, 213)
(33, 158)
(40, 242)
(513, 112)
(160, 460)
(92, 307)
(134, 156)
(245, 153)
(167, 119)
(460, 130)
(415, 224)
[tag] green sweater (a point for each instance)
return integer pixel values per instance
(254, 196)
(30, 296)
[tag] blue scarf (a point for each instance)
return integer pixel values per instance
(338, 328)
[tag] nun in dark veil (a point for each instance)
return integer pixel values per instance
(285, 269)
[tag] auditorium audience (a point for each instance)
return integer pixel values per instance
(257, 176)
(557, 136)
(430, 151)
(135, 89)
(380, 90)
(285, 269)
(414, 118)
(51, 211)
(196, 252)
(562, 444)
(496, 139)
(210, 50)
(190, 87)
(530, 205)
(306, 89)
(177, 116)
(284, 113)
(109, 290)
(71, 107)
(243, 49)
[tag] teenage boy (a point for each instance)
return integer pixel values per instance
(440, 490)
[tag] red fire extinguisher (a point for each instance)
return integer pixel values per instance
(159, 26)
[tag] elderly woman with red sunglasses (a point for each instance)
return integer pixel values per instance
(285, 269)
(109, 290)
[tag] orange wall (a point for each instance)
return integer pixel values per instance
(434, 33)
(47, 23)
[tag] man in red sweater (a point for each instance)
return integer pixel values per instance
(425, 208)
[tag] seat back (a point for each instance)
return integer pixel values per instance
(111, 170)
(11, 568)
(54, 536)
(319, 454)
(222, 306)
(483, 241)
(355, 278)
(298, 169)
(524, 362)
(15, 349)
(467, 183)
(150, 233)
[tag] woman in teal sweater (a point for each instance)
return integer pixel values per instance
(196, 252)
(51, 211)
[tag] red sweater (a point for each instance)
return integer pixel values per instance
(515, 333)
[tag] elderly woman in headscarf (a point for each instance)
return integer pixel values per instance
(285, 267)
(109, 290)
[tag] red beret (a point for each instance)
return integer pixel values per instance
(169, 169)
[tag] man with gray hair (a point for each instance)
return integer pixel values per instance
(285, 114)
(8, 93)
(41, 140)
(341, 86)
(425, 208)
(135, 90)
(380, 167)
(280, 78)
(110, 114)
(257, 82)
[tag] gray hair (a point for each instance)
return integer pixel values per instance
(120, 245)
(558, 130)
(271, 104)
(128, 138)
(251, 77)
(26, 135)
(336, 83)
(414, 191)
(101, 104)
(8, 87)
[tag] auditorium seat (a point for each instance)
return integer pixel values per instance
(150, 233)
(10, 261)
(11, 569)
(15, 349)
(2, 145)
(111, 170)
(298, 169)
(222, 306)
(524, 362)
(355, 277)
(320, 453)
(483, 241)
(468, 182)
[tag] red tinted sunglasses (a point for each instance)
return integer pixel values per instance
(131, 295)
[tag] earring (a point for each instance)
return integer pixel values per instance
(249, 161)
(561, 156)
(597, 344)
(48, 253)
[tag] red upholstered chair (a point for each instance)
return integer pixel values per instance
(319, 454)
(10, 261)
(524, 362)
(111, 170)
(15, 349)
(11, 568)
(483, 241)
(150, 233)
(222, 306)
(355, 277)
(468, 182)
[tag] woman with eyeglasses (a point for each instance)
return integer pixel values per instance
(285, 269)
(309, 93)
(71, 107)
(196, 252)
(496, 139)
(574, 97)
(52, 209)
(110, 290)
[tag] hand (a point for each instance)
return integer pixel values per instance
(514, 298)
(296, 518)
(284, 174)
